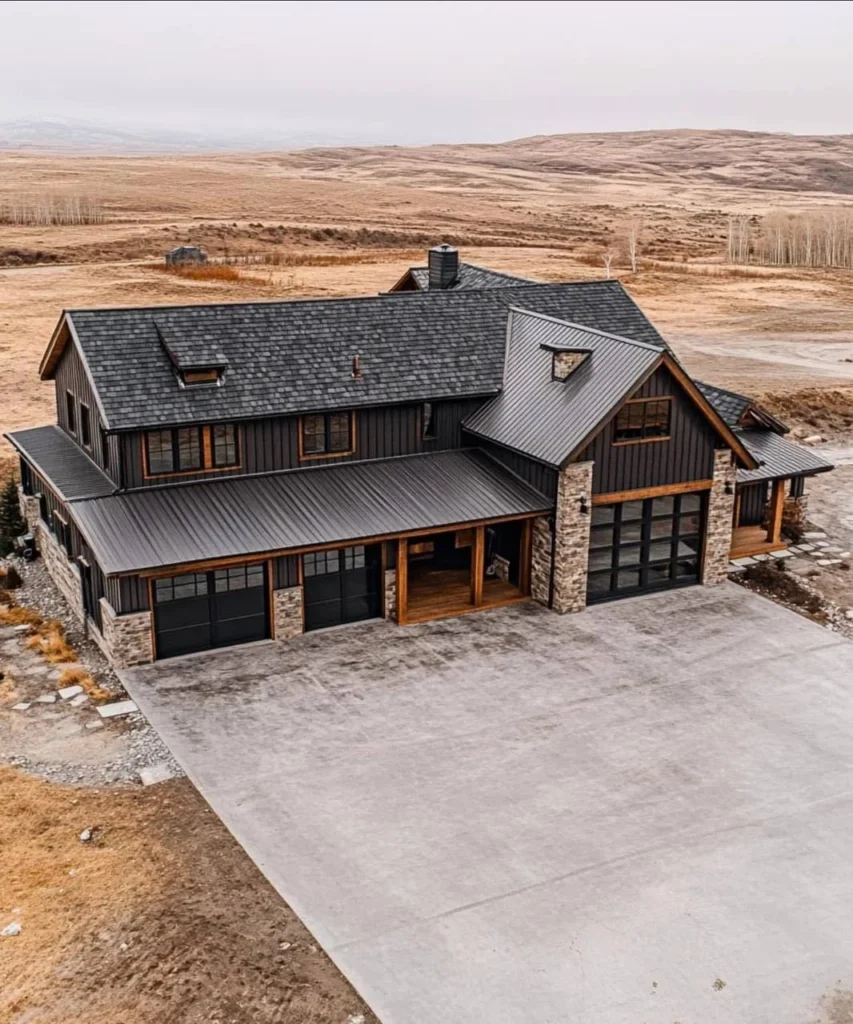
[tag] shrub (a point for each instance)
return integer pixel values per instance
(11, 523)
(80, 677)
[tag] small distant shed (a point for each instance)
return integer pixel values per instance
(186, 254)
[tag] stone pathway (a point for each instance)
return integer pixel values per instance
(815, 549)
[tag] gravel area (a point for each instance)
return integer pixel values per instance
(100, 752)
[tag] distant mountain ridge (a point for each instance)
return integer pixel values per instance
(63, 136)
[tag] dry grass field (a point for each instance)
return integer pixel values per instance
(168, 921)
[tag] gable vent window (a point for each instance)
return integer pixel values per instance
(643, 419)
(428, 422)
(70, 412)
(85, 425)
(563, 364)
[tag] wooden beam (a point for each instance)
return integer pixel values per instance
(777, 505)
(688, 486)
(525, 556)
(402, 580)
(478, 553)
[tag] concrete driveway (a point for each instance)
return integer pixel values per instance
(641, 813)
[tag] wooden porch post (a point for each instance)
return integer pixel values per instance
(777, 504)
(477, 566)
(402, 581)
(524, 556)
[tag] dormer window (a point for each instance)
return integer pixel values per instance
(198, 378)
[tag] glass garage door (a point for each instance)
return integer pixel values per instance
(649, 544)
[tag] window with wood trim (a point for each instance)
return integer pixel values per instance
(225, 452)
(191, 449)
(327, 433)
(62, 532)
(428, 422)
(85, 425)
(71, 412)
(193, 378)
(643, 419)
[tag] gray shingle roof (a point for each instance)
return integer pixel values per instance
(548, 419)
(730, 405)
(65, 466)
(293, 357)
(470, 277)
(778, 456)
(192, 522)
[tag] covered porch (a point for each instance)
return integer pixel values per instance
(767, 497)
(450, 572)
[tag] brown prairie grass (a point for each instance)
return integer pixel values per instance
(80, 677)
(215, 273)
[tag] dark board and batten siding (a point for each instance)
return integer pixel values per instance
(687, 455)
(270, 445)
(542, 478)
(71, 377)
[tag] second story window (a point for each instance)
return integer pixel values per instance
(85, 425)
(190, 449)
(326, 434)
(643, 419)
(225, 445)
(428, 422)
(70, 412)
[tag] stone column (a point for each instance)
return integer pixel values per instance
(287, 612)
(540, 560)
(795, 512)
(127, 639)
(718, 531)
(29, 506)
(571, 550)
(391, 594)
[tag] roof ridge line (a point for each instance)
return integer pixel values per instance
(589, 330)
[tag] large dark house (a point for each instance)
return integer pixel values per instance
(226, 473)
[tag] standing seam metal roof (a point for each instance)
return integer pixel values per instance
(62, 463)
(185, 523)
(547, 419)
(778, 457)
(293, 357)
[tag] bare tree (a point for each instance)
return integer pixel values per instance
(607, 260)
(635, 228)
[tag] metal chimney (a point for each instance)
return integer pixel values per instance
(443, 267)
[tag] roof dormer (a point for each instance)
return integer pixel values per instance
(197, 362)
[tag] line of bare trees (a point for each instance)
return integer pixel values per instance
(52, 210)
(816, 238)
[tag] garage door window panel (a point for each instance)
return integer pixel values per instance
(656, 543)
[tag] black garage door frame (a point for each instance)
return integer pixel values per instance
(646, 544)
(341, 586)
(200, 611)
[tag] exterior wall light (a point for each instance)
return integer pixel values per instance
(584, 508)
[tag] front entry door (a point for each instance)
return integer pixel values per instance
(341, 586)
(200, 610)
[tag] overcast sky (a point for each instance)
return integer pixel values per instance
(431, 70)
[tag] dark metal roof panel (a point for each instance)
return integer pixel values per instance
(65, 466)
(237, 516)
(470, 277)
(778, 456)
(547, 419)
(293, 357)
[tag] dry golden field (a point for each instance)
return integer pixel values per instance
(344, 222)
